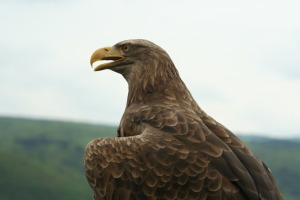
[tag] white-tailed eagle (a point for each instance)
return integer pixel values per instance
(168, 147)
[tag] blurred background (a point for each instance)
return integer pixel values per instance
(240, 60)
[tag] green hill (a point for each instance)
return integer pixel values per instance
(42, 159)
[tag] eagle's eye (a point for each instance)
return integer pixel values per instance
(125, 48)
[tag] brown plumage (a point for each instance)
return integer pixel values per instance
(168, 148)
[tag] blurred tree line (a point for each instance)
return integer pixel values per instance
(42, 159)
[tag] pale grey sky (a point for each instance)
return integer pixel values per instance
(240, 59)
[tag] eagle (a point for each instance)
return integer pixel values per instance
(167, 146)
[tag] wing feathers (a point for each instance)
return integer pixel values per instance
(176, 156)
(178, 172)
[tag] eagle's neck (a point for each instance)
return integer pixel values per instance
(159, 83)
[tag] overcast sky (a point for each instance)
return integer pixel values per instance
(240, 59)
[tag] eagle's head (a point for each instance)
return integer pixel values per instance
(132, 57)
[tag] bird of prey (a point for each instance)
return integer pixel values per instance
(167, 146)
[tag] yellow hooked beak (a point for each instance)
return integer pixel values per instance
(104, 54)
